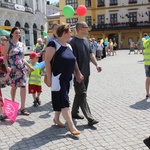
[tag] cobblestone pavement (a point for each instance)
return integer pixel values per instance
(117, 99)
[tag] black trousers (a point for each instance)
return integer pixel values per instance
(80, 99)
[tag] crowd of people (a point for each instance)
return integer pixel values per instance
(61, 49)
(103, 47)
(74, 69)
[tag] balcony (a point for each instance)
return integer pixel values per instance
(17, 7)
(121, 26)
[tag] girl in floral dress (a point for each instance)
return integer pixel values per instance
(14, 61)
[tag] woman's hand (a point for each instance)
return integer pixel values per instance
(48, 82)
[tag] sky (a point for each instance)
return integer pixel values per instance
(52, 1)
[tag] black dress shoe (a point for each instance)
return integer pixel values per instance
(91, 123)
(3, 117)
(77, 116)
(147, 142)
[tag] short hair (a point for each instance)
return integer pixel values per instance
(3, 38)
(80, 24)
(65, 27)
(39, 39)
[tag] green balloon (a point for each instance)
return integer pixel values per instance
(44, 33)
(68, 11)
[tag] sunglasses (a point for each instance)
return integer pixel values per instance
(4, 39)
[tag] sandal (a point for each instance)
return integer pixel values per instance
(24, 112)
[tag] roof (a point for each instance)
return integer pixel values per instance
(54, 15)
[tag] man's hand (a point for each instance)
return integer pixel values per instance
(99, 69)
(79, 77)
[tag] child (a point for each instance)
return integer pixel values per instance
(4, 75)
(115, 47)
(35, 87)
(132, 46)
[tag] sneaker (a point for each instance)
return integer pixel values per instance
(91, 123)
(38, 101)
(35, 104)
(3, 117)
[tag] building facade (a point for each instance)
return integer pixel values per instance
(28, 15)
(53, 16)
(50, 9)
(119, 20)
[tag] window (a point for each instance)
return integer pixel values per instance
(88, 20)
(37, 5)
(58, 22)
(17, 24)
(113, 18)
(50, 25)
(113, 2)
(72, 21)
(7, 23)
(88, 3)
(73, 3)
(133, 17)
(100, 3)
(132, 1)
(101, 19)
(27, 36)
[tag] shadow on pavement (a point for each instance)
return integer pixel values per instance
(46, 115)
(40, 108)
(42, 138)
(6, 122)
(140, 61)
(83, 127)
(24, 122)
(142, 105)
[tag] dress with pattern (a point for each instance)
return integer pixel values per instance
(18, 68)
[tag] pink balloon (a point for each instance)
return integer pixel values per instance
(81, 10)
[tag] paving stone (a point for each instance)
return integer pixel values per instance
(116, 97)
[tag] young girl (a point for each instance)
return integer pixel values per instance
(4, 75)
